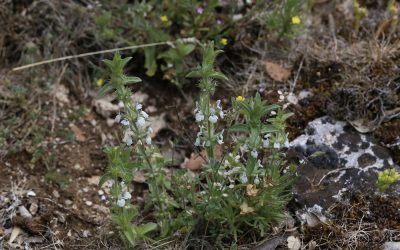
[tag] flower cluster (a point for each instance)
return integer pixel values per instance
(140, 124)
(207, 134)
(123, 196)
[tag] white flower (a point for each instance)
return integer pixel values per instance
(118, 118)
(212, 111)
(244, 148)
(140, 121)
(144, 114)
(243, 178)
(217, 184)
(121, 203)
(199, 116)
(221, 114)
(287, 145)
(127, 196)
(129, 141)
(231, 186)
(254, 153)
(225, 194)
(219, 104)
(237, 158)
(125, 122)
(138, 106)
(213, 118)
(277, 145)
(226, 164)
(257, 180)
(266, 143)
(221, 138)
(197, 142)
(302, 161)
(148, 140)
(149, 131)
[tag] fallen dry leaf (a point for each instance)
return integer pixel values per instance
(14, 234)
(79, 134)
(196, 160)
(245, 209)
(139, 97)
(104, 106)
(60, 92)
(139, 177)
(157, 123)
(251, 190)
(293, 243)
(277, 72)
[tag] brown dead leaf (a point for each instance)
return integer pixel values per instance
(104, 106)
(139, 177)
(79, 134)
(157, 123)
(60, 92)
(277, 72)
(196, 160)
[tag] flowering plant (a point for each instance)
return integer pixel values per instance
(121, 169)
(244, 188)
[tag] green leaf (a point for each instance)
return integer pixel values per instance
(150, 61)
(239, 128)
(269, 108)
(105, 89)
(219, 75)
(131, 79)
(130, 236)
(194, 74)
(185, 49)
(268, 129)
(103, 179)
(144, 229)
(286, 116)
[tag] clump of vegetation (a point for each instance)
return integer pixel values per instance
(281, 18)
(386, 178)
(243, 191)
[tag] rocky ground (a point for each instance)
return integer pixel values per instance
(344, 89)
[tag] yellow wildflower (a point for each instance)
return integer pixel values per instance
(251, 190)
(99, 82)
(296, 20)
(245, 209)
(240, 98)
(164, 18)
(392, 7)
(223, 41)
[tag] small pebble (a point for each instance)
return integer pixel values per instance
(89, 203)
(68, 202)
(24, 212)
(100, 192)
(86, 234)
(31, 194)
(56, 194)
(85, 189)
(33, 208)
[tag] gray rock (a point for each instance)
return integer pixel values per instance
(335, 158)
(391, 245)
